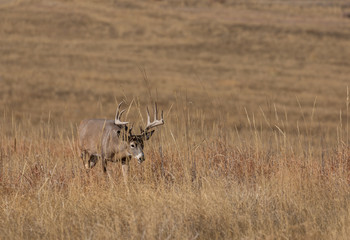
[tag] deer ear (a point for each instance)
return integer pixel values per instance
(147, 135)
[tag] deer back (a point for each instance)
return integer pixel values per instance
(93, 133)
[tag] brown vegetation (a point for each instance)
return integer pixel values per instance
(256, 140)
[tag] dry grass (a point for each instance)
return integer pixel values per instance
(256, 140)
(192, 189)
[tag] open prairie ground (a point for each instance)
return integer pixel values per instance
(256, 102)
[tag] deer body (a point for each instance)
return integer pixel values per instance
(101, 137)
(111, 140)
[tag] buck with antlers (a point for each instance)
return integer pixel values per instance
(112, 140)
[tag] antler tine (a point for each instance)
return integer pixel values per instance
(148, 117)
(119, 107)
(120, 104)
(156, 122)
(118, 115)
(130, 129)
(121, 113)
(155, 111)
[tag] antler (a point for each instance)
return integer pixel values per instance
(156, 121)
(118, 115)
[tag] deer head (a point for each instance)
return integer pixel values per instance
(135, 142)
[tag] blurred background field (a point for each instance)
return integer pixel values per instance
(71, 58)
(256, 101)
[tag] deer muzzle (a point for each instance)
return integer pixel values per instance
(140, 158)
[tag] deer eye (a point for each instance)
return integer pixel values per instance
(132, 145)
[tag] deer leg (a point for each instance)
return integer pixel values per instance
(83, 157)
(92, 161)
(104, 164)
(125, 170)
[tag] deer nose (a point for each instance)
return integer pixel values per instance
(140, 158)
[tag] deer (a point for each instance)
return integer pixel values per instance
(113, 141)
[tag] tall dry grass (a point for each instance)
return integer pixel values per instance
(256, 140)
(197, 183)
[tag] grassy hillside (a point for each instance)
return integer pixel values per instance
(256, 101)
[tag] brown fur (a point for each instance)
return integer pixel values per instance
(100, 138)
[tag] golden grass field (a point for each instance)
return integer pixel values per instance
(256, 102)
